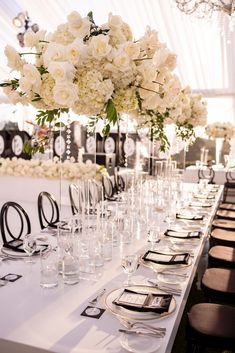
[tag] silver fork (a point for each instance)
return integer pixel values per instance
(140, 324)
(99, 295)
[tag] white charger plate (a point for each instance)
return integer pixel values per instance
(133, 314)
(137, 344)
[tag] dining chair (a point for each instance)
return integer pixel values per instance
(48, 210)
(225, 214)
(218, 285)
(227, 206)
(222, 237)
(206, 173)
(221, 256)
(76, 198)
(14, 222)
(120, 182)
(210, 325)
(108, 188)
(229, 185)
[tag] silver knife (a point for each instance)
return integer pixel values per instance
(144, 333)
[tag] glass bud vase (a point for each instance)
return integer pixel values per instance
(218, 149)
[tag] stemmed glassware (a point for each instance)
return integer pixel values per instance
(154, 236)
(129, 264)
(29, 246)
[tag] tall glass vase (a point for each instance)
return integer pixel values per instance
(218, 149)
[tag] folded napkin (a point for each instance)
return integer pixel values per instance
(200, 204)
(182, 234)
(193, 217)
(166, 259)
(138, 301)
(204, 197)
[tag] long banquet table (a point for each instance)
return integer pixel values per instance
(38, 320)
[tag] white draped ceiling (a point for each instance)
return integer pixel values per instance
(205, 59)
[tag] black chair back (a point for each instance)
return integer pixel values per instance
(76, 198)
(48, 210)
(108, 188)
(13, 228)
(206, 173)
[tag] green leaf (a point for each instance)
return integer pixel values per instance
(111, 112)
(106, 130)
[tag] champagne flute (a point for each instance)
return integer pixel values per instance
(29, 246)
(129, 264)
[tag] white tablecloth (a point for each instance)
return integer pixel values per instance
(191, 175)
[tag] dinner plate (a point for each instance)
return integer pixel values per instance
(132, 314)
(12, 253)
(18, 254)
(138, 343)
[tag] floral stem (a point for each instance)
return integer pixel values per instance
(159, 83)
(148, 89)
(30, 54)
(142, 59)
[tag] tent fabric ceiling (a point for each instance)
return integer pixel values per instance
(204, 57)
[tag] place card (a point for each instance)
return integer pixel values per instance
(137, 301)
(11, 277)
(92, 312)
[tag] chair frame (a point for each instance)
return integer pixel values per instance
(24, 218)
(55, 215)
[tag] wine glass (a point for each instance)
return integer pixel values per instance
(129, 264)
(154, 236)
(29, 246)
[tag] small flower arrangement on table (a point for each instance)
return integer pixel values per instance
(220, 130)
(52, 169)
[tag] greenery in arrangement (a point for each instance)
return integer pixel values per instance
(101, 72)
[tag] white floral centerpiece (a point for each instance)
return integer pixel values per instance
(189, 110)
(51, 169)
(98, 71)
(220, 130)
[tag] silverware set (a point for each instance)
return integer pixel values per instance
(141, 328)
(166, 288)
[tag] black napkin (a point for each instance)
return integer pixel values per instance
(191, 218)
(129, 299)
(170, 259)
(183, 235)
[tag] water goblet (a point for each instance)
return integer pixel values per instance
(154, 236)
(129, 264)
(29, 246)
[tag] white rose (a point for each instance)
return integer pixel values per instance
(147, 70)
(65, 94)
(54, 52)
(31, 73)
(61, 71)
(24, 84)
(80, 29)
(14, 60)
(114, 22)
(32, 39)
(132, 50)
(74, 18)
(99, 46)
(122, 61)
(75, 51)
(160, 56)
